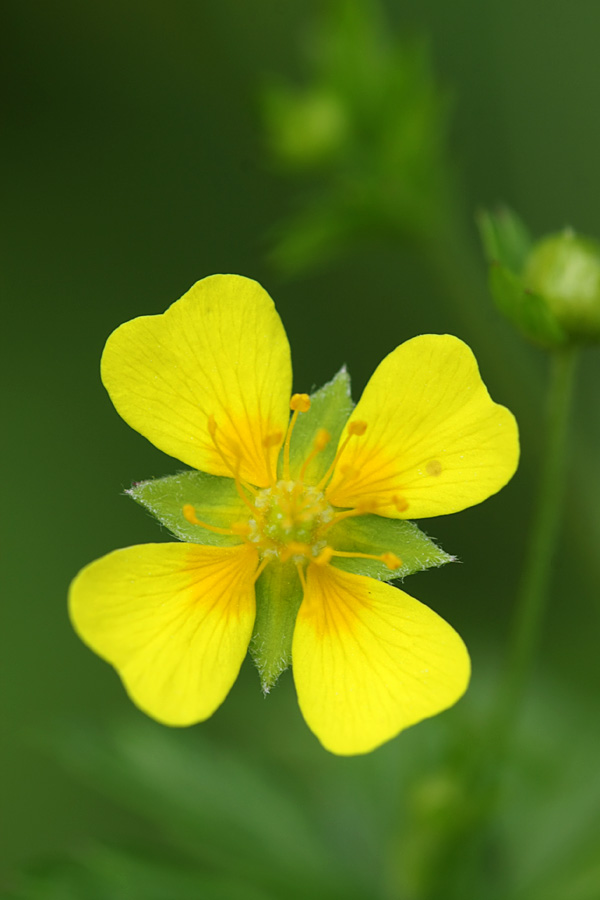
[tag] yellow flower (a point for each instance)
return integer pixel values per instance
(209, 383)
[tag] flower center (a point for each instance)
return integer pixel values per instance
(288, 521)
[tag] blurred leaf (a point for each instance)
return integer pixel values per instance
(214, 498)
(505, 239)
(213, 805)
(526, 310)
(103, 873)
(370, 126)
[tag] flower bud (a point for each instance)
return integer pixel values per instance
(550, 289)
(564, 269)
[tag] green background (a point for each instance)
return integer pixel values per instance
(135, 164)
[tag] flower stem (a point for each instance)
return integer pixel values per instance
(533, 589)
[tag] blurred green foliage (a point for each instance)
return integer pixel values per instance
(137, 164)
(370, 126)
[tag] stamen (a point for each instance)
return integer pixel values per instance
(388, 559)
(212, 428)
(400, 503)
(322, 439)
(261, 568)
(324, 556)
(363, 509)
(189, 513)
(299, 403)
(355, 429)
(271, 440)
(300, 571)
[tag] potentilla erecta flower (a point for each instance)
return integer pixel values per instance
(290, 526)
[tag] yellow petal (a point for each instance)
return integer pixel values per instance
(175, 621)
(219, 351)
(435, 442)
(369, 660)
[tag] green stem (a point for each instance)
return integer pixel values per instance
(533, 590)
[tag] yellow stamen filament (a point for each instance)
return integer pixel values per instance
(212, 428)
(261, 568)
(299, 403)
(322, 439)
(189, 513)
(361, 510)
(300, 571)
(388, 559)
(324, 556)
(355, 429)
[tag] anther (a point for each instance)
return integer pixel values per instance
(322, 439)
(433, 467)
(357, 427)
(300, 403)
(271, 440)
(391, 560)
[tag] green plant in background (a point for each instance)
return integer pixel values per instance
(367, 133)
(286, 537)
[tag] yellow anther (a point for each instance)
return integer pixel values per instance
(391, 560)
(261, 568)
(300, 402)
(322, 439)
(324, 556)
(433, 467)
(400, 503)
(271, 440)
(189, 513)
(357, 427)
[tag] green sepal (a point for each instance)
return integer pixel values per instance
(214, 499)
(330, 408)
(505, 239)
(525, 309)
(376, 534)
(278, 599)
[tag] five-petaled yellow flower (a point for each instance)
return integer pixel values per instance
(209, 383)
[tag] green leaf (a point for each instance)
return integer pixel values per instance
(528, 311)
(505, 239)
(330, 408)
(216, 805)
(214, 499)
(278, 599)
(376, 534)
